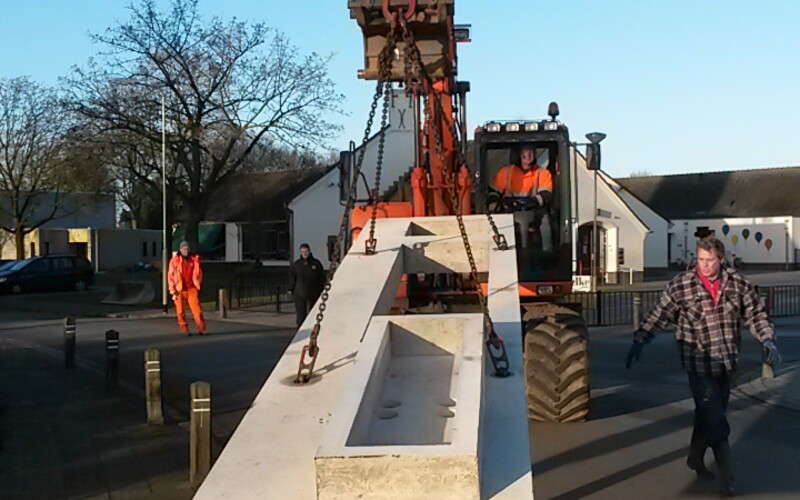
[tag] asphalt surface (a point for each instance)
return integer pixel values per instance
(636, 440)
(65, 425)
(62, 435)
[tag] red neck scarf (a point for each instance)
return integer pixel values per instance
(712, 287)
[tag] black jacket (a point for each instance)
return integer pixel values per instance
(307, 278)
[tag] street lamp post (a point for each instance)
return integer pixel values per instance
(593, 163)
(164, 262)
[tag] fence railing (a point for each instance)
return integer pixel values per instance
(258, 297)
(598, 308)
(617, 308)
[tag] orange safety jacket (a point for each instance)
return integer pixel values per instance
(511, 180)
(174, 279)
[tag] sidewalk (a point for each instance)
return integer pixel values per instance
(63, 436)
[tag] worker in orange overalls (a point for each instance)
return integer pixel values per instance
(526, 190)
(184, 278)
(527, 180)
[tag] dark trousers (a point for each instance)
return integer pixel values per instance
(302, 307)
(711, 396)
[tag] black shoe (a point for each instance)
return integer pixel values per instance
(722, 454)
(697, 464)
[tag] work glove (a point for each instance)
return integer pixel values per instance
(771, 354)
(634, 353)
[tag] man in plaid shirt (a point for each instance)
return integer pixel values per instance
(706, 305)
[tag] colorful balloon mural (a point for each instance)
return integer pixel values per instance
(759, 237)
(768, 244)
(726, 229)
(746, 234)
(735, 239)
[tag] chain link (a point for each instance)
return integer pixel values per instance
(305, 369)
(384, 75)
(494, 342)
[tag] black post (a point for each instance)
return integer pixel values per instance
(278, 298)
(112, 359)
(70, 328)
(599, 308)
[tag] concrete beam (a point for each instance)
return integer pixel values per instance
(272, 452)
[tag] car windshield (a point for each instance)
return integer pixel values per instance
(5, 265)
(16, 266)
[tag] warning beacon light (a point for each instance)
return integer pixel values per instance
(552, 110)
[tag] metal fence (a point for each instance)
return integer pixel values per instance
(266, 297)
(617, 308)
(599, 308)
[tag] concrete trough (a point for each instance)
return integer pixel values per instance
(408, 419)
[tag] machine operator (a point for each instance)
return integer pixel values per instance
(526, 190)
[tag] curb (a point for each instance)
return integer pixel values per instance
(776, 391)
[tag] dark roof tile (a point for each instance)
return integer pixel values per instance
(767, 192)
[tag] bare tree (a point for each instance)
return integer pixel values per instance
(640, 173)
(228, 85)
(34, 189)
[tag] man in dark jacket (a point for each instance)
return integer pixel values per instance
(706, 305)
(307, 279)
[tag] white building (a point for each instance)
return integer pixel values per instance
(631, 236)
(756, 213)
(316, 213)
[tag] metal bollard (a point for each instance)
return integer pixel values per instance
(152, 386)
(223, 303)
(200, 433)
(70, 328)
(637, 310)
(112, 359)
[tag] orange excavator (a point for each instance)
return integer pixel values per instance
(412, 44)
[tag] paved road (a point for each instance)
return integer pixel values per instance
(88, 442)
(636, 441)
(63, 436)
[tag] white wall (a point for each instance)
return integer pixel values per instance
(233, 242)
(656, 241)
(751, 251)
(317, 213)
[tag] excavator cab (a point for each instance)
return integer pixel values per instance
(543, 230)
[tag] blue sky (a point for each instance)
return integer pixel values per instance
(678, 85)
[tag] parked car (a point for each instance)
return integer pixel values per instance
(5, 264)
(47, 273)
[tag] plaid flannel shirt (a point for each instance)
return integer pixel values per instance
(708, 336)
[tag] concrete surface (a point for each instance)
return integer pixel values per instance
(271, 454)
(413, 397)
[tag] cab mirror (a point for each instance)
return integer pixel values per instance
(593, 156)
(345, 175)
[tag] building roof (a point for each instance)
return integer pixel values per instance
(261, 196)
(767, 192)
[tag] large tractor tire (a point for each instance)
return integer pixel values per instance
(556, 364)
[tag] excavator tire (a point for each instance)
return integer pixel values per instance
(556, 365)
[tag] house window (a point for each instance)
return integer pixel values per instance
(144, 249)
(155, 249)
